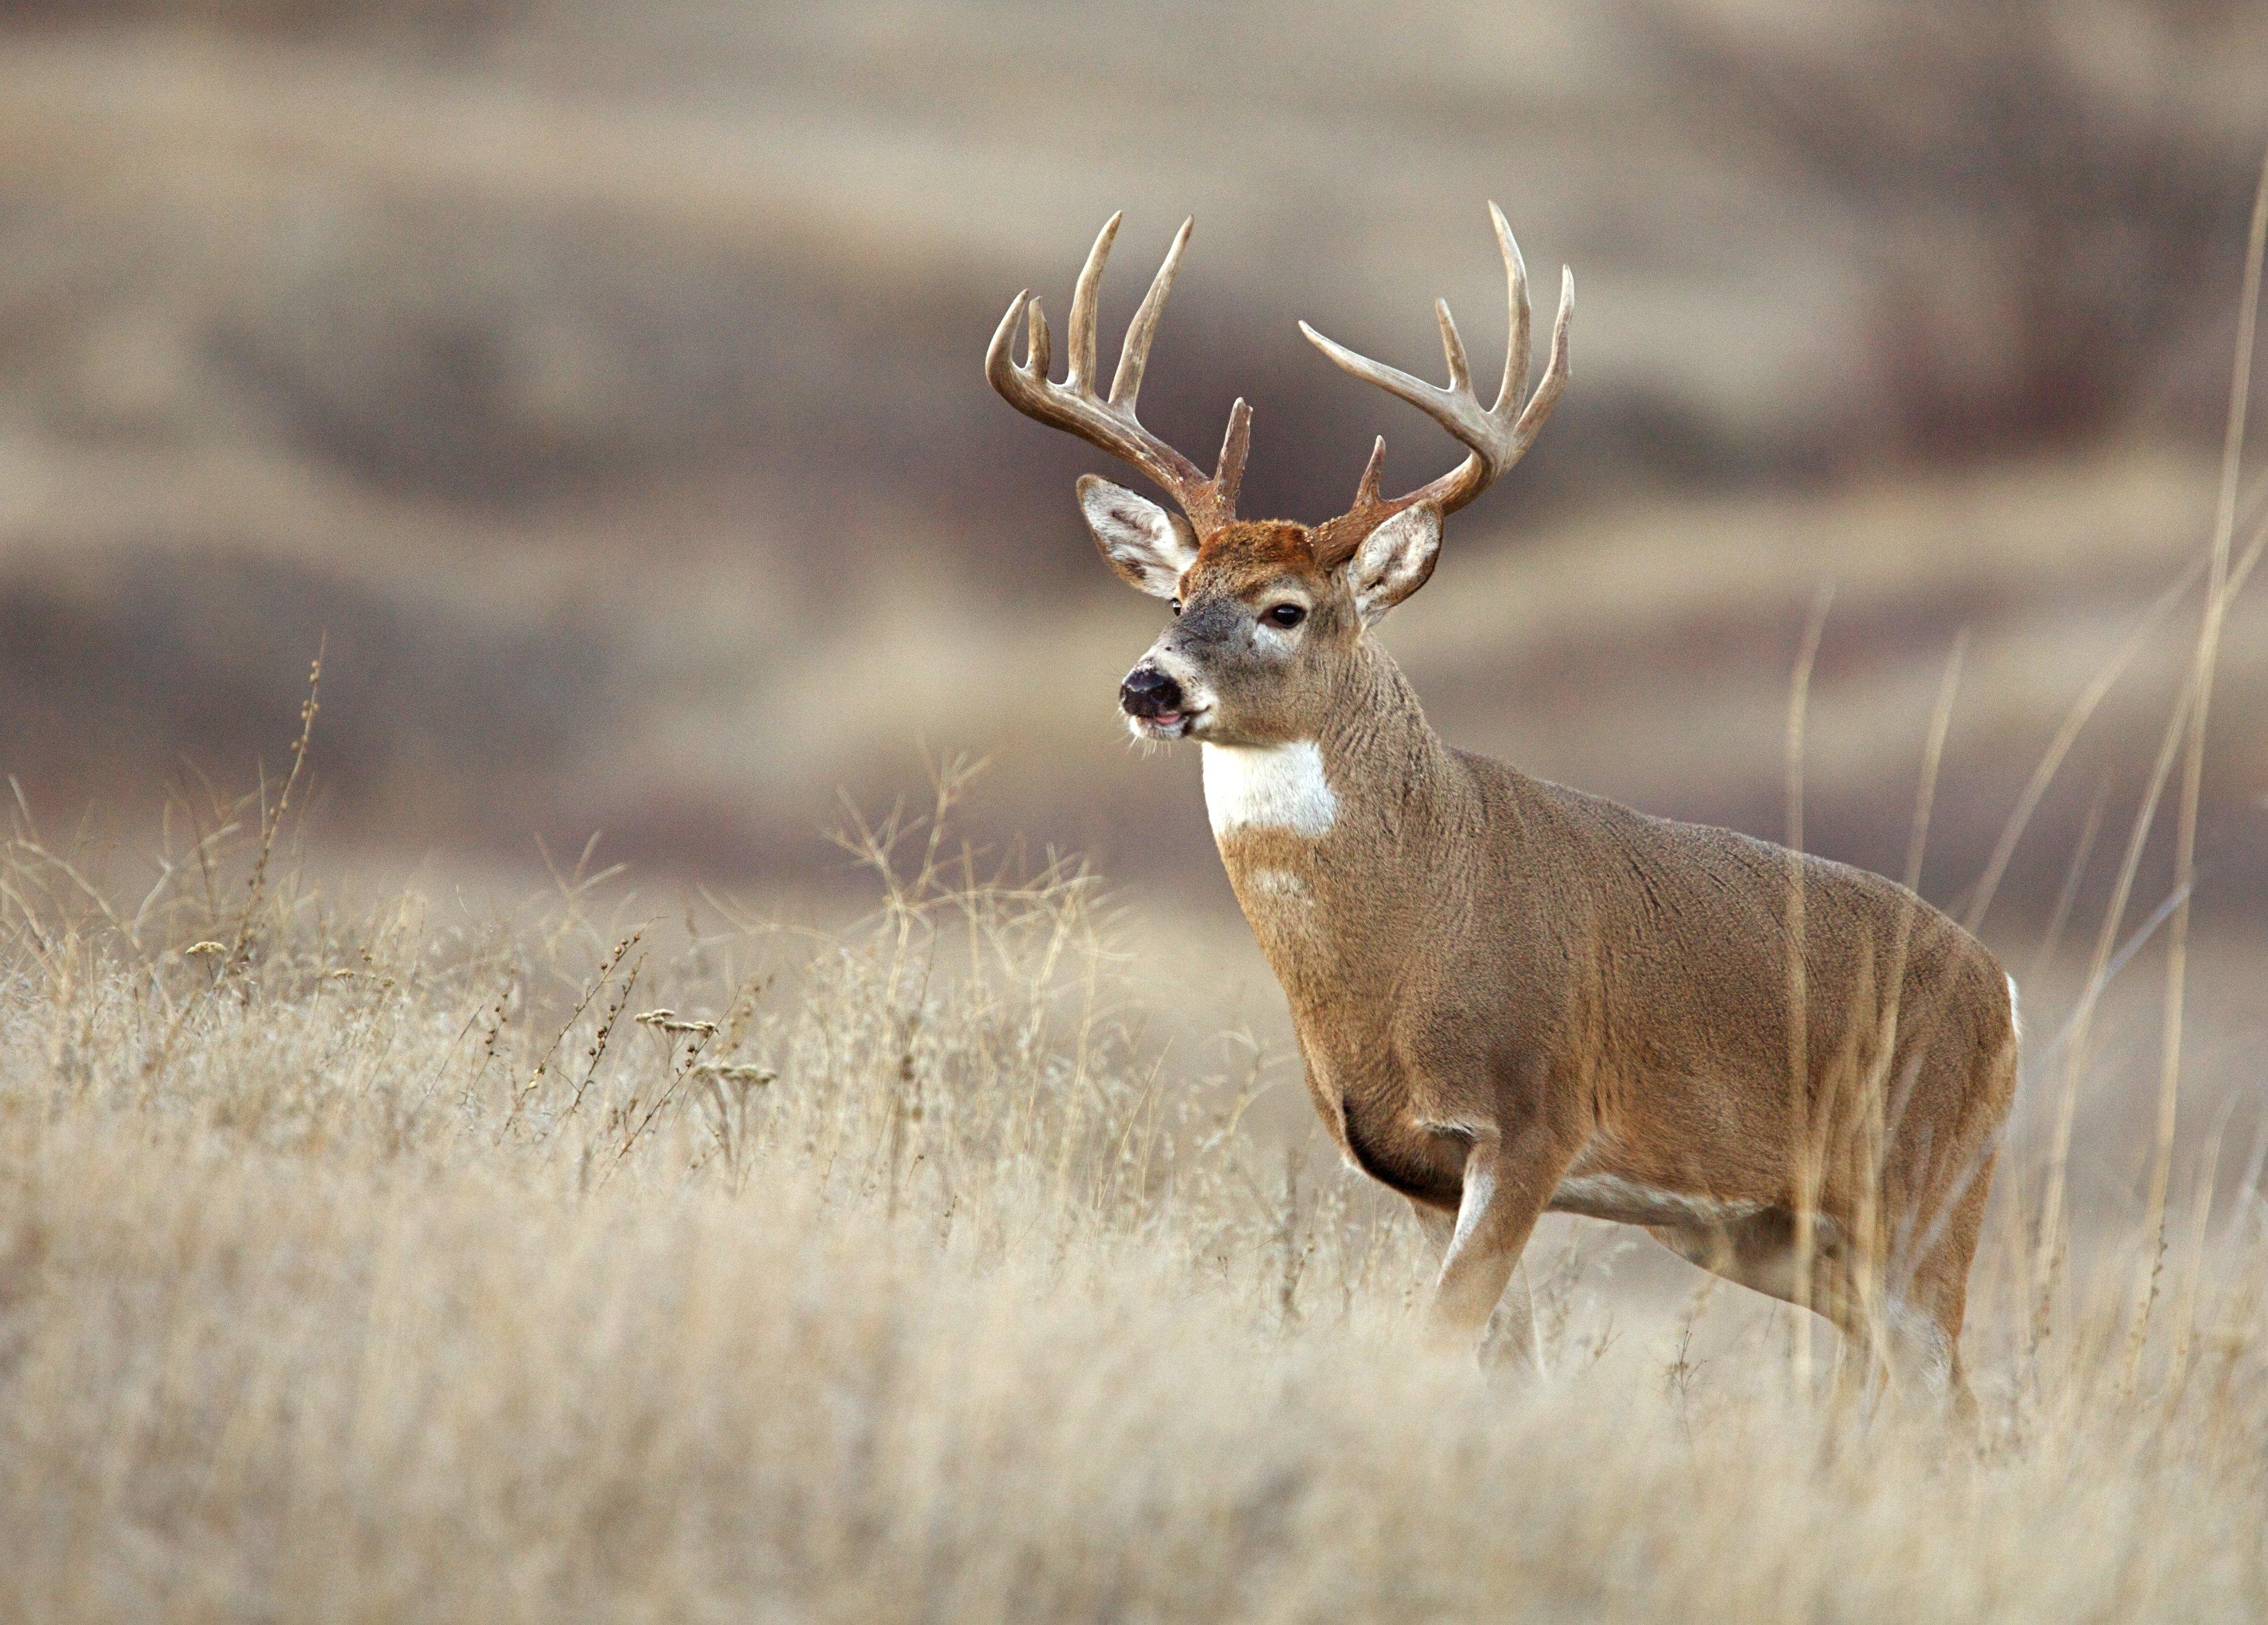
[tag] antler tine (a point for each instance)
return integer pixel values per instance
(1039, 350)
(1515, 277)
(1495, 436)
(1228, 473)
(1074, 406)
(1460, 371)
(1555, 370)
(1083, 302)
(1459, 415)
(1366, 493)
(999, 355)
(1134, 354)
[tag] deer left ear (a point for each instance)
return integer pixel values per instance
(1395, 560)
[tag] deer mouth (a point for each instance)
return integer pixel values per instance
(1168, 724)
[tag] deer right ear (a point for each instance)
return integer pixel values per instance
(1144, 543)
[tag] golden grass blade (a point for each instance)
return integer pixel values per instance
(2208, 657)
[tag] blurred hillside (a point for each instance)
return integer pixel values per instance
(601, 382)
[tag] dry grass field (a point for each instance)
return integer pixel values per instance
(593, 1258)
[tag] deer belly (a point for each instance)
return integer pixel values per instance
(1633, 1201)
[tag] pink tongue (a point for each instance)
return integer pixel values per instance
(1167, 719)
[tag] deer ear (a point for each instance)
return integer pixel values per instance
(1145, 544)
(1395, 560)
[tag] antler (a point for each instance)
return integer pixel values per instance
(1496, 437)
(1073, 404)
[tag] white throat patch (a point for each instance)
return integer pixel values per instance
(1269, 787)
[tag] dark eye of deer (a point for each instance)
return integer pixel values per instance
(1177, 606)
(1286, 615)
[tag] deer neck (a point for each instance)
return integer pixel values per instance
(1331, 842)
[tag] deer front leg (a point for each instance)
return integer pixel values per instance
(1506, 1182)
(1511, 1338)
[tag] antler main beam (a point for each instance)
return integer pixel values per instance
(1495, 436)
(1075, 406)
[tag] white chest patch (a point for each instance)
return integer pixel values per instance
(1269, 787)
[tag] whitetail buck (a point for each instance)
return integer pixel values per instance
(1512, 996)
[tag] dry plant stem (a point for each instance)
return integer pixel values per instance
(271, 820)
(2074, 723)
(596, 1055)
(1798, 1064)
(2208, 654)
(2067, 893)
(607, 968)
(2184, 1334)
(576, 883)
(679, 1074)
(2077, 1032)
(257, 887)
(2081, 1024)
(27, 841)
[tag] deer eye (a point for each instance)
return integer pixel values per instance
(1286, 615)
(1177, 606)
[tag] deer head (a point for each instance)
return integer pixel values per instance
(1269, 613)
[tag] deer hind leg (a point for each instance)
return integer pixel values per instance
(1905, 1326)
(1924, 1293)
(1923, 1324)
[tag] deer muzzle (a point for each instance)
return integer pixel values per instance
(1150, 695)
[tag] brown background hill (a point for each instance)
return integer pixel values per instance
(602, 383)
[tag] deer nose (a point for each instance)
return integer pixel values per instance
(1149, 692)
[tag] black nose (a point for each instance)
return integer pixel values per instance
(1149, 692)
